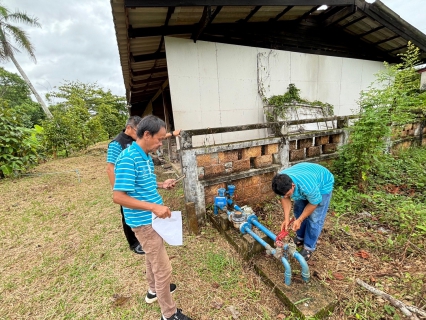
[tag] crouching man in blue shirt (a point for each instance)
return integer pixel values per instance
(310, 185)
(136, 189)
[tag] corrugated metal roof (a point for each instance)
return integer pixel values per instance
(347, 28)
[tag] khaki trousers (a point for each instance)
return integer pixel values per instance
(158, 267)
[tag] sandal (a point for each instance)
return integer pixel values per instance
(306, 254)
(297, 241)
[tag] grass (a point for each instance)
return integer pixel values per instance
(65, 254)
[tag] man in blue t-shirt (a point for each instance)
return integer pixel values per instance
(136, 189)
(118, 144)
(310, 186)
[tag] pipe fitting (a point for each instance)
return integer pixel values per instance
(252, 218)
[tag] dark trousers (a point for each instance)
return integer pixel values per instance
(128, 232)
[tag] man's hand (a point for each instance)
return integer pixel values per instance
(297, 224)
(169, 184)
(162, 211)
(285, 224)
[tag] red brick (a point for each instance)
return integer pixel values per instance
(250, 192)
(209, 200)
(241, 165)
(267, 177)
(255, 180)
(335, 138)
(297, 155)
(204, 160)
(293, 145)
(263, 161)
(239, 184)
(329, 148)
(271, 148)
(313, 151)
(305, 143)
(214, 170)
(212, 190)
(322, 140)
(411, 132)
(265, 188)
(228, 156)
(251, 152)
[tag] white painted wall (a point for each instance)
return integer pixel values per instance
(423, 80)
(216, 85)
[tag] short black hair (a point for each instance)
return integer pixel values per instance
(150, 123)
(133, 121)
(281, 184)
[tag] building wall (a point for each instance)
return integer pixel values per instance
(423, 80)
(216, 85)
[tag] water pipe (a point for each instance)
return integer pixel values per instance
(244, 220)
(252, 219)
(246, 228)
(291, 249)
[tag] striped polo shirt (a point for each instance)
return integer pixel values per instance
(311, 181)
(134, 174)
(114, 150)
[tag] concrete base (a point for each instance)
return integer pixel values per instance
(310, 299)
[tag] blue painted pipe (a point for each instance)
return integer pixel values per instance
(253, 220)
(246, 228)
(287, 271)
(305, 268)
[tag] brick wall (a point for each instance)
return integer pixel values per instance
(303, 149)
(250, 190)
(220, 163)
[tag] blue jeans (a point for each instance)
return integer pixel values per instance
(311, 227)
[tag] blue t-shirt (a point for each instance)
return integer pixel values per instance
(134, 174)
(311, 181)
(114, 150)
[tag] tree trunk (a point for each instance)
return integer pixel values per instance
(42, 104)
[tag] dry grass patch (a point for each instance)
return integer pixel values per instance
(65, 255)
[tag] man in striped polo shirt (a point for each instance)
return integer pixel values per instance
(135, 189)
(310, 186)
(123, 140)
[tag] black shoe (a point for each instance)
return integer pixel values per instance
(138, 249)
(297, 241)
(177, 316)
(307, 254)
(152, 297)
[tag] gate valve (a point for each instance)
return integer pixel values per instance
(282, 235)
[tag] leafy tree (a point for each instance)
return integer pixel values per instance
(83, 114)
(18, 145)
(15, 91)
(394, 101)
(91, 94)
(9, 32)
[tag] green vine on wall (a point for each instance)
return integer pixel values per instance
(279, 105)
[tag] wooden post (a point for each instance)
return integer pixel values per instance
(191, 215)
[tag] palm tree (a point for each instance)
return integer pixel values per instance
(7, 50)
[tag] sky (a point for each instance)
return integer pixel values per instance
(77, 41)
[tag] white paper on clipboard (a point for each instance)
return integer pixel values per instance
(170, 229)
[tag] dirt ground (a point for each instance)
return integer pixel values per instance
(64, 256)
